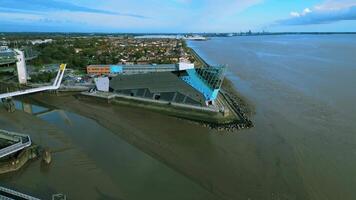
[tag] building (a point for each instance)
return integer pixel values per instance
(21, 67)
(10, 56)
(98, 69)
(163, 86)
(3, 48)
(137, 69)
(6, 53)
(102, 84)
(199, 87)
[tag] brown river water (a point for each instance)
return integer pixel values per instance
(303, 145)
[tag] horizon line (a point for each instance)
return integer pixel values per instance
(179, 33)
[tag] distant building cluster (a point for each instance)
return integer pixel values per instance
(148, 51)
(99, 70)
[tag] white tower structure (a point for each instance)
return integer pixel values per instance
(21, 67)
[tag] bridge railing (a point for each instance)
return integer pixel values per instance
(23, 142)
(55, 86)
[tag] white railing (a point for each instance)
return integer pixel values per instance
(55, 86)
(23, 142)
(15, 193)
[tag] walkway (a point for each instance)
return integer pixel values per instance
(20, 142)
(55, 86)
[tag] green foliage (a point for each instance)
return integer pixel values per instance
(63, 51)
(78, 51)
(44, 77)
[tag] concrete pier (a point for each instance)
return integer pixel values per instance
(16, 150)
(224, 116)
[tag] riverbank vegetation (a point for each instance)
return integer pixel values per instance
(44, 77)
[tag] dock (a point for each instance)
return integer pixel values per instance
(112, 96)
(20, 141)
(15, 151)
(225, 115)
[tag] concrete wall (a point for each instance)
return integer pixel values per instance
(102, 84)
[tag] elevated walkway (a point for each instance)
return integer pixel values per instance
(9, 194)
(20, 142)
(55, 86)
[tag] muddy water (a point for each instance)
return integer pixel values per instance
(89, 161)
(303, 89)
(303, 145)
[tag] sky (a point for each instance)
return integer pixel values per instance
(177, 16)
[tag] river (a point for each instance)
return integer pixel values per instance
(303, 145)
(302, 87)
(90, 162)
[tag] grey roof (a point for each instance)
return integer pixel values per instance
(156, 82)
(7, 54)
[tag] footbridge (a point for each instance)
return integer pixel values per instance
(9, 194)
(56, 84)
(6, 98)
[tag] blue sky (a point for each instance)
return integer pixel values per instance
(177, 15)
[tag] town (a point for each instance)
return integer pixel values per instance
(81, 51)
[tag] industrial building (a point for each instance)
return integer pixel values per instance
(6, 55)
(164, 86)
(10, 56)
(136, 69)
(181, 83)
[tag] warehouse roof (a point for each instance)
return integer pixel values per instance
(156, 82)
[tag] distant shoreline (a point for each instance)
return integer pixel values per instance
(228, 34)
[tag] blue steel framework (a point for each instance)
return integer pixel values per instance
(207, 80)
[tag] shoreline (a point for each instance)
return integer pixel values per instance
(158, 146)
(214, 119)
(244, 107)
(232, 113)
(235, 116)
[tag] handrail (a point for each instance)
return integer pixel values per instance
(55, 86)
(17, 146)
(5, 192)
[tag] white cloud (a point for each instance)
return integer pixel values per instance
(295, 14)
(326, 13)
(335, 5)
(306, 11)
(149, 15)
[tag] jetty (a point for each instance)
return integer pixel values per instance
(15, 151)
